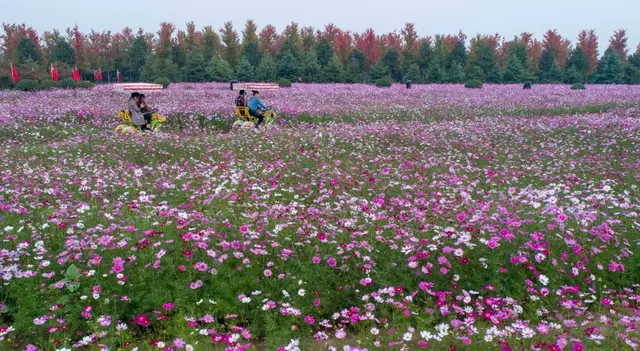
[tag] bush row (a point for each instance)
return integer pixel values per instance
(34, 85)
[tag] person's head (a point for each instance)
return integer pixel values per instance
(256, 93)
(135, 96)
(142, 97)
(242, 92)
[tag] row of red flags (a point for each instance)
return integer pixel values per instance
(75, 74)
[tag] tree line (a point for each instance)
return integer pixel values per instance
(328, 55)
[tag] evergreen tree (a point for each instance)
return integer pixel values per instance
(609, 68)
(580, 64)
(231, 49)
(310, 68)
(178, 55)
(458, 56)
(572, 76)
(157, 67)
(635, 59)
(137, 54)
(355, 70)
(195, 69)
(288, 66)
(267, 69)
(63, 52)
(425, 60)
(413, 73)
(455, 73)
(324, 51)
(252, 53)
(548, 71)
(435, 73)
(485, 59)
(391, 60)
(515, 71)
(245, 71)
(219, 70)
(27, 51)
(380, 70)
(333, 72)
(630, 74)
(210, 43)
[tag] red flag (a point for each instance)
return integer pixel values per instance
(118, 76)
(99, 74)
(14, 74)
(54, 73)
(76, 74)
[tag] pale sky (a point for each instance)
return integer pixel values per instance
(506, 17)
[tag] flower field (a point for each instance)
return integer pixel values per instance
(434, 218)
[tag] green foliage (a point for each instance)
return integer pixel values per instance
(288, 66)
(162, 80)
(485, 60)
(137, 54)
(413, 73)
(572, 76)
(324, 50)
(333, 72)
(48, 84)
(630, 74)
(158, 67)
(457, 57)
(515, 71)
(609, 68)
(455, 73)
(85, 85)
(578, 86)
(195, 69)
(548, 71)
(380, 70)
(219, 70)
(251, 53)
(63, 52)
(384, 82)
(27, 51)
(67, 83)
(245, 71)
(6, 82)
(579, 63)
(473, 84)
(309, 67)
(355, 72)
(391, 60)
(267, 69)
(284, 83)
(28, 85)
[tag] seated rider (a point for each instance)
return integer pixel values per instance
(134, 110)
(256, 108)
(241, 99)
(146, 112)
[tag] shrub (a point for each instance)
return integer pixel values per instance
(473, 84)
(6, 82)
(28, 85)
(67, 83)
(384, 82)
(85, 85)
(48, 84)
(284, 83)
(162, 80)
(578, 86)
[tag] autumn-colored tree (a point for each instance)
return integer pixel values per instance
(558, 46)
(366, 43)
(79, 43)
(308, 38)
(290, 40)
(343, 46)
(165, 34)
(618, 42)
(410, 39)
(13, 33)
(330, 31)
(99, 50)
(231, 44)
(389, 41)
(588, 41)
(269, 41)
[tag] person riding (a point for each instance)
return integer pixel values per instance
(146, 112)
(137, 118)
(241, 99)
(256, 108)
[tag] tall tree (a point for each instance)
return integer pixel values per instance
(210, 43)
(482, 60)
(267, 69)
(343, 45)
(79, 47)
(250, 33)
(588, 41)
(195, 68)
(548, 71)
(515, 70)
(333, 72)
(635, 58)
(579, 63)
(609, 68)
(288, 66)
(245, 71)
(309, 67)
(63, 53)
(165, 41)
(324, 51)
(558, 46)
(308, 38)
(250, 44)
(366, 43)
(269, 41)
(27, 51)
(219, 70)
(231, 44)
(138, 53)
(618, 42)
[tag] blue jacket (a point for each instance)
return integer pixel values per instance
(255, 104)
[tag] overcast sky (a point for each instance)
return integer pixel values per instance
(507, 17)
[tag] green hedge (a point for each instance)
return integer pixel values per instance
(384, 82)
(473, 84)
(28, 85)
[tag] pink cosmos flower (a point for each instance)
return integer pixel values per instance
(167, 306)
(332, 262)
(309, 319)
(267, 273)
(142, 320)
